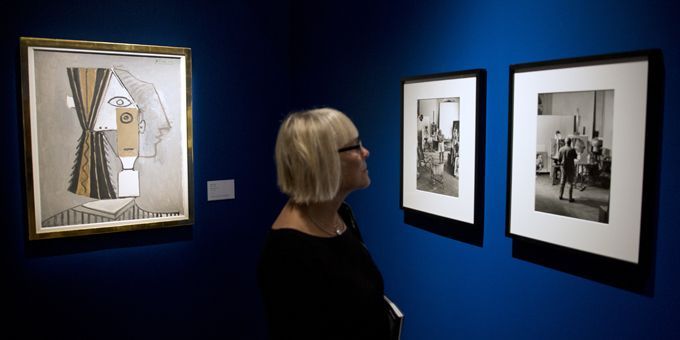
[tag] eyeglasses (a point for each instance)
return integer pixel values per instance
(357, 146)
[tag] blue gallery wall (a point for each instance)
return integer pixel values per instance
(352, 55)
(194, 282)
(252, 61)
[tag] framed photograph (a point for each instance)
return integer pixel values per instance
(443, 145)
(577, 153)
(107, 136)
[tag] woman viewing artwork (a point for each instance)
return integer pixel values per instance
(317, 278)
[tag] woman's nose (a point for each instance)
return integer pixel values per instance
(365, 152)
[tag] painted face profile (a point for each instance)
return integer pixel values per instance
(109, 103)
(153, 123)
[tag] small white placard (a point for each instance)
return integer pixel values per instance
(221, 190)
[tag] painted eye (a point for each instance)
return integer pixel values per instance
(126, 118)
(120, 101)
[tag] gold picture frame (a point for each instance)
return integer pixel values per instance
(107, 137)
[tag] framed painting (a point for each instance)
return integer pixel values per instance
(107, 136)
(442, 172)
(577, 152)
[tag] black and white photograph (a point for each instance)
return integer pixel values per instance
(443, 145)
(574, 154)
(438, 124)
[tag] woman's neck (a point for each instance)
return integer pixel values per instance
(322, 211)
(318, 217)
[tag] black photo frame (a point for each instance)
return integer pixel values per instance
(442, 151)
(606, 109)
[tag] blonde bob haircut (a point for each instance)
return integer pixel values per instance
(308, 165)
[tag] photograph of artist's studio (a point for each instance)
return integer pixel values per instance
(574, 154)
(438, 145)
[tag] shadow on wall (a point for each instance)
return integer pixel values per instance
(90, 243)
(635, 278)
(452, 229)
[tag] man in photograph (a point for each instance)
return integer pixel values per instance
(567, 156)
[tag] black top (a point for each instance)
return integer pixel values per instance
(322, 288)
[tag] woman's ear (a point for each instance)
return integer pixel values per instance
(142, 126)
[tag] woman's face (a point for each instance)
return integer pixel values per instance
(354, 169)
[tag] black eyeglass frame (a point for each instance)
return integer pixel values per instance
(352, 147)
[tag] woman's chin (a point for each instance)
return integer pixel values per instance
(367, 182)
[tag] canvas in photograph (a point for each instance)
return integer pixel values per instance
(442, 144)
(577, 153)
(107, 131)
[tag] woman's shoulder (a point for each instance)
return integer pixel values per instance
(289, 251)
(286, 236)
(291, 242)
